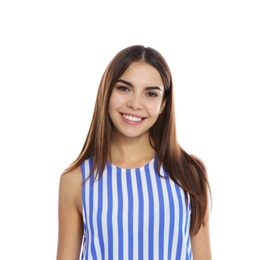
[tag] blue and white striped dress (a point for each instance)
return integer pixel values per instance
(134, 214)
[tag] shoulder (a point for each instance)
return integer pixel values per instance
(72, 178)
(70, 186)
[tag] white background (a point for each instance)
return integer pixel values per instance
(52, 56)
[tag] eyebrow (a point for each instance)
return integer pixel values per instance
(146, 88)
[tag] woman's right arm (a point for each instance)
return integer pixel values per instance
(70, 230)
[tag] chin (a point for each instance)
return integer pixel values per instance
(133, 134)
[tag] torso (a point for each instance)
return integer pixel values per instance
(134, 214)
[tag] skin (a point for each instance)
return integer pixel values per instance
(70, 216)
(137, 94)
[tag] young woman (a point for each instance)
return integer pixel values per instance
(133, 192)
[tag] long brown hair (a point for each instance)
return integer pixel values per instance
(184, 169)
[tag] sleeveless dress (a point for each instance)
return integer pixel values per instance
(134, 214)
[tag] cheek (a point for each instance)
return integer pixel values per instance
(154, 109)
(113, 102)
(116, 101)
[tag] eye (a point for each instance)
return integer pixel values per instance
(151, 94)
(123, 88)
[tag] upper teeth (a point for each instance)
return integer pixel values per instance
(132, 118)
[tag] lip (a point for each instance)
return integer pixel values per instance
(132, 122)
(134, 115)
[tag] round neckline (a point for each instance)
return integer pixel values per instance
(134, 168)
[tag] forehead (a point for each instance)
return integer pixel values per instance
(142, 71)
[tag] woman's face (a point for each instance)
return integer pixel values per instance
(136, 100)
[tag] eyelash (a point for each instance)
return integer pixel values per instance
(123, 88)
(126, 89)
(152, 94)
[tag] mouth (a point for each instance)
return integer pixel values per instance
(133, 118)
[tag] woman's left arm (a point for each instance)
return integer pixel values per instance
(201, 244)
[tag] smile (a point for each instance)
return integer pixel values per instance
(132, 118)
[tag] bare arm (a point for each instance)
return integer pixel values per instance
(69, 216)
(201, 244)
(201, 247)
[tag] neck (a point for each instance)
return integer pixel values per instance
(131, 152)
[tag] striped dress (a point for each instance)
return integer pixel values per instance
(134, 214)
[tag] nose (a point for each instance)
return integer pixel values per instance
(135, 102)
